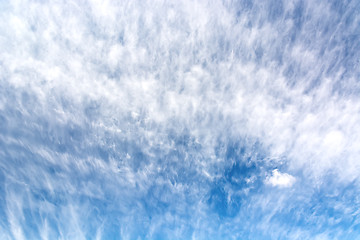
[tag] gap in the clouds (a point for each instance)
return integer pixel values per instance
(241, 176)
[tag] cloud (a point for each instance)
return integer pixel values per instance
(159, 120)
(282, 180)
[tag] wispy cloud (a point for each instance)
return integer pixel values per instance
(152, 120)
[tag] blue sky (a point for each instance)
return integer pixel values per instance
(180, 119)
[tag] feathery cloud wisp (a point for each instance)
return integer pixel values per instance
(162, 120)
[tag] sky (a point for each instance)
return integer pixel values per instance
(180, 119)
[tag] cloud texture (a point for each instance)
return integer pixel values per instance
(179, 120)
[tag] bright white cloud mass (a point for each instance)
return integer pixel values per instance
(180, 119)
(280, 179)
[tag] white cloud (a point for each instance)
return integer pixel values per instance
(282, 180)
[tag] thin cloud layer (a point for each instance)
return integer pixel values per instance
(161, 120)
